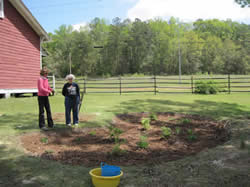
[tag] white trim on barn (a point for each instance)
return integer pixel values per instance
(8, 92)
(1, 9)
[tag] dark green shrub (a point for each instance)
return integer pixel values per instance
(207, 87)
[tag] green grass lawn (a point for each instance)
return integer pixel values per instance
(20, 115)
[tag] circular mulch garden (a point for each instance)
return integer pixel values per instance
(184, 135)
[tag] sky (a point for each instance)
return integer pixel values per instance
(53, 13)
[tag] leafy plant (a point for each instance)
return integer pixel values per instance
(166, 132)
(143, 143)
(178, 130)
(206, 87)
(185, 121)
(146, 123)
(191, 135)
(92, 133)
(153, 116)
(117, 151)
(44, 140)
(115, 133)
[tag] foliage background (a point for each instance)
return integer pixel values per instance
(150, 47)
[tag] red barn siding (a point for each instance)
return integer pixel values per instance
(19, 51)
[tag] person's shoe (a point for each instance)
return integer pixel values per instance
(44, 128)
(76, 124)
(69, 125)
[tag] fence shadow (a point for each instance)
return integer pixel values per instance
(217, 110)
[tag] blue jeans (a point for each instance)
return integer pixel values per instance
(71, 104)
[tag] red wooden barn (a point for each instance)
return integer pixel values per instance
(20, 48)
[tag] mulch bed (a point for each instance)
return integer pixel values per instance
(90, 146)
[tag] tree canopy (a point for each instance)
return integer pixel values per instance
(243, 3)
(150, 47)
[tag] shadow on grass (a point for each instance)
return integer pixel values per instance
(217, 110)
(19, 122)
(19, 170)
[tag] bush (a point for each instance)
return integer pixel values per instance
(206, 87)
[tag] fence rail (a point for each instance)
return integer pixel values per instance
(156, 84)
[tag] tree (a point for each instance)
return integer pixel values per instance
(243, 3)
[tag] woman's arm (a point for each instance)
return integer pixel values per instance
(78, 90)
(64, 90)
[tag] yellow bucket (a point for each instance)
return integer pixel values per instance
(100, 181)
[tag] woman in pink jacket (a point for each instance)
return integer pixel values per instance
(44, 91)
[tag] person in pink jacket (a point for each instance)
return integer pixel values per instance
(44, 91)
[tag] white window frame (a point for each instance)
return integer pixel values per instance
(1, 9)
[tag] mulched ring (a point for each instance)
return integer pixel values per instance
(90, 146)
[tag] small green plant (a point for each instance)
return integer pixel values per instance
(191, 135)
(178, 130)
(166, 132)
(153, 117)
(185, 121)
(44, 140)
(115, 133)
(117, 150)
(92, 133)
(143, 143)
(146, 123)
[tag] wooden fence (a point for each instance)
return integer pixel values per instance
(157, 84)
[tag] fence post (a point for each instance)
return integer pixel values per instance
(229, 86)
(192, 84)
(54, 82)
(120, 85)
(84, 79)
(155, 84)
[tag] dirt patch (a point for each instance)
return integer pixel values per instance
(60, 117)
(189, 134)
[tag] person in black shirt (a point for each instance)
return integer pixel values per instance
(71, 91)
